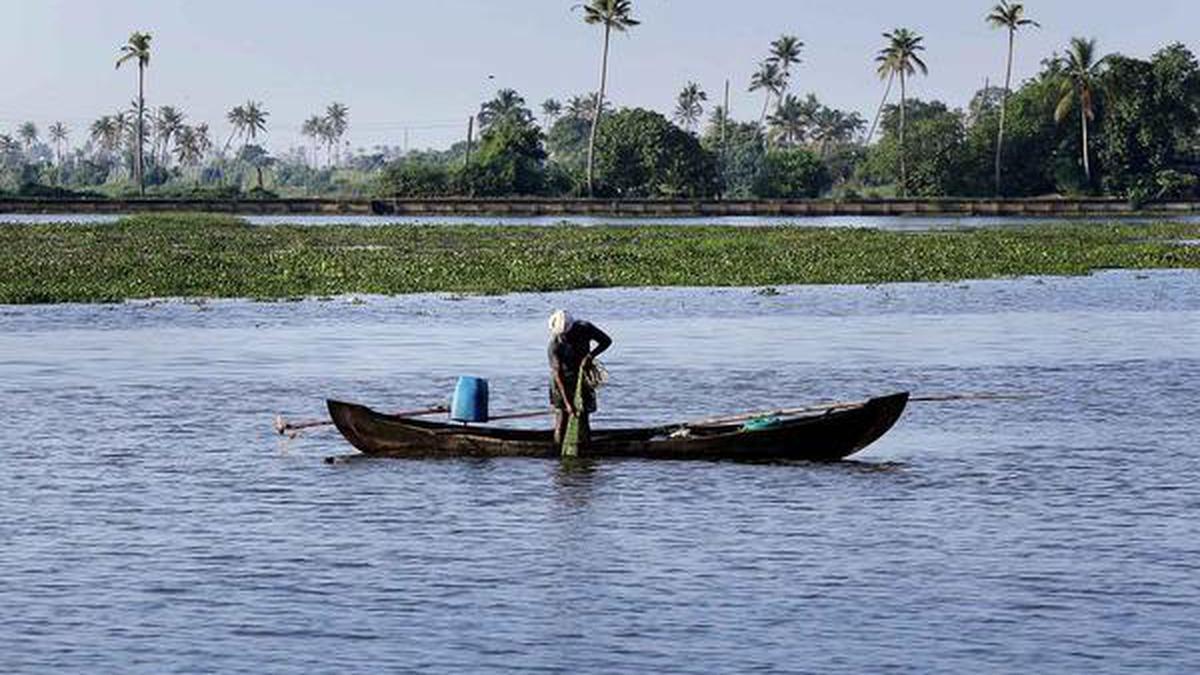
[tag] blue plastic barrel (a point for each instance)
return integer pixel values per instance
(470, 402)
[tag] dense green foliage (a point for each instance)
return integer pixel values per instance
(219, 256)
(1142, 143)
(640, 153)
(937, 153)
(511, 161)
(739, 156)
(792, 173)
(416, 178)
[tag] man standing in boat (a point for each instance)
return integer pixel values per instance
(570, 351)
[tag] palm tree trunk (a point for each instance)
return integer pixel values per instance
(1087, 166)
(762, 120)
(1004, 109)
(596, 114)
(138, 165)
(882, 104)
(903, 165)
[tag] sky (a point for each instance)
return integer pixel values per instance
(419, 69)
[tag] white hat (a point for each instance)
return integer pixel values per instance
(560, 322)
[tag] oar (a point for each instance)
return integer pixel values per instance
(845, 405)
(283, 427)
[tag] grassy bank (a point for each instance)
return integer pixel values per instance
(219, 256)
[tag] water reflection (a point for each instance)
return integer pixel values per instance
(575, 479)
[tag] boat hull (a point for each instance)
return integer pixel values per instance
(825, 437)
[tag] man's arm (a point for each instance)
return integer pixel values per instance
(557, 378)
(562, 389)
(602, 340)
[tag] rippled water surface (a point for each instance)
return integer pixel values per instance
(153, 524)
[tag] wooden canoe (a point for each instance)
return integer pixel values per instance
(823, 436)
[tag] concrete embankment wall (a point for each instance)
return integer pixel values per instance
(600, 207)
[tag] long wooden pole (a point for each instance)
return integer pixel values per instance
(282, 426)
(285, 428)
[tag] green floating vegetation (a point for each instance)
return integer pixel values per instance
(212, 256)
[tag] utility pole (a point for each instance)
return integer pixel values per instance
(470, 137)
(467, 167)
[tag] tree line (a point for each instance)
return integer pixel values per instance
(1086, 123)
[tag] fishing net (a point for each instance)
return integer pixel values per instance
(595, 375)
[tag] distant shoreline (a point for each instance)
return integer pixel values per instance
(633, 208)
(215, 256)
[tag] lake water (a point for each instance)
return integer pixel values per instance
(893, 223)
(154, 524)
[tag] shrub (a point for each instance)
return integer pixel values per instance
(407, 178)
(639, 153)
(790, 174)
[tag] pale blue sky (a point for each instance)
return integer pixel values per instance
(423, 65)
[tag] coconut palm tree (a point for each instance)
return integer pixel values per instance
(99, 132)
(614, 15)
(789, 124)
(124, 131)
(831, 126)
(138, 49)
(237, 119)
(769, 78)
(203, 139)
(584, 107)
(247, 121)
(255, 121)
(106, 133)
(166, 122)
(551, 109)
(507, 105)
(581, 107)
(188, 150)
(1081, 82)
(337, 121)
(1010, 17)
(314, 128)
(901, 58)
(690, 107)
(58, 136)
(28, 133)
(785, 53)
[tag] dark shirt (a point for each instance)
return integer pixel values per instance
(567, 352)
